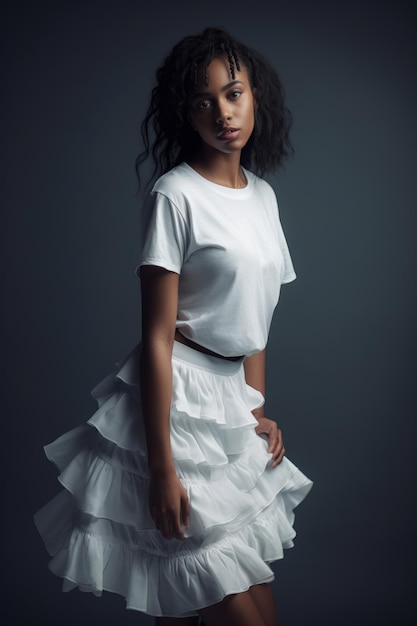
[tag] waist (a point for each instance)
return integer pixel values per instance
(195, 346)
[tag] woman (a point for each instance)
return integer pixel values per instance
(177, 491)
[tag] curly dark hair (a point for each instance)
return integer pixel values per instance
(166, 131)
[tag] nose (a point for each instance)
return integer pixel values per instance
(221, 121)
(223, 116)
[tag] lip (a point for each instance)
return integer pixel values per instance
(228, 134)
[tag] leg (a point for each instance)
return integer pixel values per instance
(264, 600)
(235, 610)
(176, 621)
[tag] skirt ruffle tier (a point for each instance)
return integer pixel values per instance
(98, 528)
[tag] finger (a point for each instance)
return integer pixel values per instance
(279, 458)
(176, 527)
(277, 449)
(274, 440)
(273, 436)
(163, 525)
(185, 511)
(157, 518)
(279, 439)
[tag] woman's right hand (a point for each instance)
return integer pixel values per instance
(168, 503)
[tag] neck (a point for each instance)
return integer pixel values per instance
(223, 169)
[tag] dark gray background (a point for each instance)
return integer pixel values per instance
(77, 77)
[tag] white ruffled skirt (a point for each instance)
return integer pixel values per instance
(99, 530)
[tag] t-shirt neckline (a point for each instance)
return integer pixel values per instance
(231, 192)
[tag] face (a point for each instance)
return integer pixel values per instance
(223, 112)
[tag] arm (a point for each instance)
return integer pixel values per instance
(255, 375)
(168, 502)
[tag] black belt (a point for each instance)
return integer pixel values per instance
(195, 346)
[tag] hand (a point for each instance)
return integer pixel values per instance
(276, 445)
(168, 503)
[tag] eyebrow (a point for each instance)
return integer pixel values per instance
(201, 94)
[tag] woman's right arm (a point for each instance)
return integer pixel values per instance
(168, 501)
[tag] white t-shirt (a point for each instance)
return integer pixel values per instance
(230, 251)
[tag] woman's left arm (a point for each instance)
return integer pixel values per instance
(255, 375)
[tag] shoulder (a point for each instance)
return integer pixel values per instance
(176, 184)
(169, 195)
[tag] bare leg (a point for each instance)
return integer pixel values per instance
(235, 610)
(176, 621)
(264, 600)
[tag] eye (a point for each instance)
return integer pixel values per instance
(234, 95)
(203, 105)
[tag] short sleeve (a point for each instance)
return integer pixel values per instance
(289, 273)
(164, 234)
